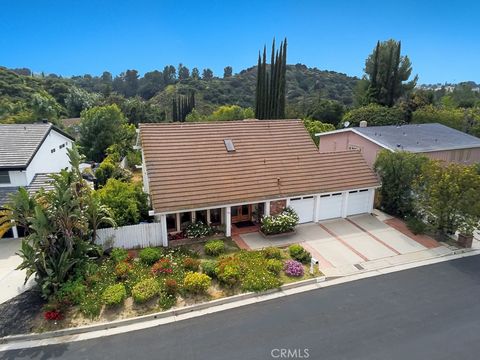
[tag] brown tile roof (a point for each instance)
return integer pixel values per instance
(189, 167)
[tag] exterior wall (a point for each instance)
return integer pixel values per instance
(463, 156)
(276, 207)
(45, 161)
(17, 178)
(348, 140)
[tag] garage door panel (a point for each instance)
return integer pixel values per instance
(330, 207)
(359, 202)
(304, 208)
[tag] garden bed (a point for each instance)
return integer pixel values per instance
(137, 283)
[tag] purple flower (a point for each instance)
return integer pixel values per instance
(293, 268)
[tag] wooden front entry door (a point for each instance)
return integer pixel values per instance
(241, 213)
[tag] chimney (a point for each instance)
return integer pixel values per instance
(363, 123)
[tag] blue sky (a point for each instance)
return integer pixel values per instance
(442, 38)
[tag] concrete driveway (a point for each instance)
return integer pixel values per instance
(347, 245)
(11, 280)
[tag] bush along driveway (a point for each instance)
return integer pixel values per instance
(133, 283)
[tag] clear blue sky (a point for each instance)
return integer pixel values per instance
(442, 38)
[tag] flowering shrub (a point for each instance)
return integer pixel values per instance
(191, 264)
(274, 266)
(228, 270)
(72, 292)
(272, 252)
(293, 268)
(114, 295)
(119, 255)
(122, 269)
(255, 276)
(150, 255)
(298, 253)
(196, 283)
(198, 229)
(53, 315)
(209, 267)
(171, 286)
(145, 290)
(162, 266)
(214, 247)
(281, 223)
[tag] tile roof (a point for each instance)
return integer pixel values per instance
(5, 194)
(420, 137)
(189, 167)
(20, 142)
(40, 181)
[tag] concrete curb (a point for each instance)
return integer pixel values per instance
(155, 316)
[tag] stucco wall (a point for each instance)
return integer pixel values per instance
(348, 140)
(45, 161)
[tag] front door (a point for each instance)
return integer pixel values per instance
(241, 213)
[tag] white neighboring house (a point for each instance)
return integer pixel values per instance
(28, 153)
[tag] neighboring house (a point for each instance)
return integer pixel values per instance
(28, 153)
(223, 173)
(433, 140)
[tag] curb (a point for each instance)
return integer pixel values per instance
(155, 316)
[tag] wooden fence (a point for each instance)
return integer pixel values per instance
(131, 236)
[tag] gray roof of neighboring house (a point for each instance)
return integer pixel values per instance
(20, 142)
(40, 181)
(419, 137)
(5, 194)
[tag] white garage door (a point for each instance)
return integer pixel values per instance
(359, 202)
(304, 208)
(330, 206)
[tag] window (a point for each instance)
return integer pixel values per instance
(229, 145)
(61, 146)
(201, 215)
(52, 151)
(4, 177)
(216, 216)
(364, 190)
(185, 219)
(171, 222)
(354, 147)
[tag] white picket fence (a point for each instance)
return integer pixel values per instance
(131, 236)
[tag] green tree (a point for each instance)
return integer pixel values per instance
(375, 115)
(207, 74)
(329, 111)
(398, 172)
(195, 74)
(127, 201)
(131, 83)
(449, 197)
(100, 127)
(315, 127)
(387, 73)
(183, 72)
(227, 72)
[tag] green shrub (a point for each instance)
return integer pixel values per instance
(298, 253)
(73, 292)
(191, 264)
(114, 295)
(91, 306)
(260, 281)
(274, 266)
(416, 226)
(122, 270)
(229, 271)
(150, 255)
(214, 247)
(198, 229)
(171, 286)
(196, 283)
(145, 290)
(279, 224)
(272, 252)
(209, 267)
(167, 301)
(119, 255)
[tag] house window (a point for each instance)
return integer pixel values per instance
(171, 222)
(185, 219)
(52, 151)
(201, 215)
(354, 147)
(216, 216)
(61, 146)
(4, 177)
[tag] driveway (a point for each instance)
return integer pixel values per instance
(359, 242)
(11, 280)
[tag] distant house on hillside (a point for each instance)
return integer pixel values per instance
(28, 153)
(433, 140)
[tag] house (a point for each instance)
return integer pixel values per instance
(436, 141)
(223, 173)
(28, 153)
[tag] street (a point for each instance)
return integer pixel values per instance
(430, 312)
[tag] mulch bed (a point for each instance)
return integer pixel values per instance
(17, 314)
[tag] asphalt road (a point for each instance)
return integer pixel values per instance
(427, 313)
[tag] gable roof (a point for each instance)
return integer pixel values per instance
(20, 142)
(188, 165)
(415, 138)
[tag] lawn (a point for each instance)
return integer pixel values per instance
(132, 283)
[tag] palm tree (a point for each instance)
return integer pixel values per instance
(17, 211)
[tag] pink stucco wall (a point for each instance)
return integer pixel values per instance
(348, 140)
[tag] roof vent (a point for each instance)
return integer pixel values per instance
(229, 145)
(363, 124)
